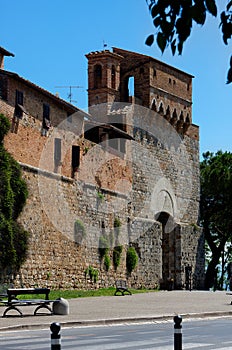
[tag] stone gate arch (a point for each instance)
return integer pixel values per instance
(165, 209)
(169, 277)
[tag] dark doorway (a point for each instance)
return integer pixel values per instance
(168, 251)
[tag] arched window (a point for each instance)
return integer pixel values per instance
(161, 109)
(181, 116)
(168, 114)
(174, 114)
(187, 120)
(113, 77)
(127, 88)
(153, 106)
(97, 76)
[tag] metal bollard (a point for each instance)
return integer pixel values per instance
(177, 332)
(55, 336)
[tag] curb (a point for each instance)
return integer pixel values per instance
(118, 321)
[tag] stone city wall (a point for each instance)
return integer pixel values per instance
(58, 259)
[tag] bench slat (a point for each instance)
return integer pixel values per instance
(121, 287)
(13, 303)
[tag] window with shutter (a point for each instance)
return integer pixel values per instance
(46, 111)
(46, 119)
(57, 151)
(18, 104)
(3, 88)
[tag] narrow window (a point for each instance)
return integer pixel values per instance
(18, 104)
(187, 119)
(167, 115)
(19, 97)
(131, 86)
(18, 112)
(46, 111)
(123, 145)
(161, 109)
(46, 119)
(57, 151)
(97, 76)
(75, 158)
(153, 106)
(113, 77)
(3, 88)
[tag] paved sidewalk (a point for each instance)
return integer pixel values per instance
(154, 306)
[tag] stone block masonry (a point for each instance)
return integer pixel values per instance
(136, 163)
(57, 261)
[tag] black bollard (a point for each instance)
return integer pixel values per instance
(55, 336)
(177, 332)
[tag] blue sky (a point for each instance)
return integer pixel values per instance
(50, 39)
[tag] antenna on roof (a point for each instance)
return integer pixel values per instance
(104, 45)
(70, 87)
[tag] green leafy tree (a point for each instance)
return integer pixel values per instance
(174, 21)
(13, 194)
(216, 212)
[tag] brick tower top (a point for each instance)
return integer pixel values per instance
(155, 85)
(103, 77)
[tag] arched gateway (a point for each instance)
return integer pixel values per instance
(170, 251)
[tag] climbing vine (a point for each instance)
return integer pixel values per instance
(131, 259)
(92, 274)
(13, 195)
(117, 252)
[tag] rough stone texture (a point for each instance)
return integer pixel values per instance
(57, 261)
(152, 186)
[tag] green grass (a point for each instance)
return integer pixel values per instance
(71, 294)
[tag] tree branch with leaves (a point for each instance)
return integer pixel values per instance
(215, 208)
(174, 21)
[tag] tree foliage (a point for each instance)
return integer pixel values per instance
(216, 204)
(13, 194)
(174, 20)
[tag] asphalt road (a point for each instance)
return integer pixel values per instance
(199, 334)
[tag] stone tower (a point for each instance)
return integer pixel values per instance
(103, 77)
(156, 85)
(165, 171)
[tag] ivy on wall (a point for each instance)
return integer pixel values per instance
(13, 195)
(131, 259)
